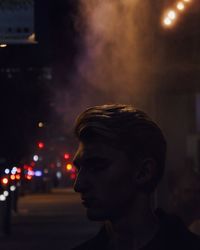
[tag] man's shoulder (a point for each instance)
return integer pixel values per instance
(176, 234)
(194, 241)
(89, 244)
(173, 234)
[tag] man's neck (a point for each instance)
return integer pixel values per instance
(134, 230)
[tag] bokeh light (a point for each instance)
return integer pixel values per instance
(167, 21)
(180, 6)
(172, 14)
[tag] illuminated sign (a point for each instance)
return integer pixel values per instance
(17, 22)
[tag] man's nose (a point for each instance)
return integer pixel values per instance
(81, 184)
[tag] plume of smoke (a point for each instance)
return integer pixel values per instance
(117, 57)
(118, 47)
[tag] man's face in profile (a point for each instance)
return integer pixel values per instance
(105, 180)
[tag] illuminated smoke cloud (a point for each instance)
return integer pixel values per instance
(118, 39)
(118, 54)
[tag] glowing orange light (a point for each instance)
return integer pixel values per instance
(167, 21)
(5, 181)
(69, 167)
(28, 177)
(180, 6)
(18, 176)
(12, 177)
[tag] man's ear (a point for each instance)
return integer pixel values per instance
(146, 172)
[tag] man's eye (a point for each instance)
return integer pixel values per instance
(96, 166)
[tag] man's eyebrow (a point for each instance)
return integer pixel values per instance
(78, 161)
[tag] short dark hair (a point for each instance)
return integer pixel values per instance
(124, 127)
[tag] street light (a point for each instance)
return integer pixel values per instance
(3, 45)
(69, 167)
(172, 14)
(40, 124)
(180, 6)
(167, 21)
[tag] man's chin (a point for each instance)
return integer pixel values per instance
(95, 215)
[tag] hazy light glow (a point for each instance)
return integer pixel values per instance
(29, 177)
(14, 170)
(5, 193)
(31, 38)
(3, 45)
(18, 177)
(2, 197)
(31, 172)
(180, 6)
(66, 156)
(7, 171)
(40, 124)
(58, 164)
(172, 14)
(73, 170)
(12, 188)
(5, 181)
(12, 177)
(46, 171)
(35, 158)
(69, 167)
(38, 173)
(59, 175)
(19, 170)
(167, 21)
(40, 145)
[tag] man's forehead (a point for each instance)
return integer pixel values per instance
(89, 148)
(96, 149)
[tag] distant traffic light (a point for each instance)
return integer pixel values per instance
(40, 145)
(40, 124)
(35, 158)
(69, 167)
(66, 156)
(12, 177)
(4, 181)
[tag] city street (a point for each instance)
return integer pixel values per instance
(49, 221)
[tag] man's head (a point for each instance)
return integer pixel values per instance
(121, 155)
